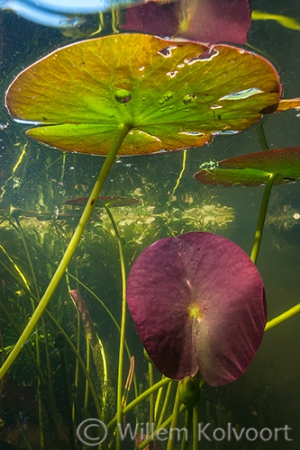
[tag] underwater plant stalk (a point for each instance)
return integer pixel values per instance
(165, 424)
(92, 293)
(183, 167)
(139, 399)
(188, 421)
(175, 414)
(45, 331)
(70, 250)
(122, 330)
(262, 217)
(151, 407)
(88, 365)
(23, 434)
(196, 421)
(60, 346)
(42, 386)
(23, 284)
(78, 322)
(165, 405)
(114, 321)
(260, 131)
(157, 402)
(128, 382)
(283, 317)
(95, 343)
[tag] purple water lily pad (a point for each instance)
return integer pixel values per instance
(198, 303)
(209, 21)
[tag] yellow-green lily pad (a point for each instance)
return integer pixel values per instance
(172, 94)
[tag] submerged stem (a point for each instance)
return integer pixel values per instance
(282, 317)
(122, 329)
(70, 250)
(262, 217)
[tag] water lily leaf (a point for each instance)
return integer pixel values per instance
(171, 94)
(103, 201)
(198, 303)
(254, 169)
(200, 20)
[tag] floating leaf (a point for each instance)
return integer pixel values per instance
(254, 169)
(103, 201)
(200, 20)
(198, 302)
(170, 94)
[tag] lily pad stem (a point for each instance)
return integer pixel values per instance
(282, 317)
(262, 217)
(174, 421)
(70, 250)
(122, 330)
(139, 399)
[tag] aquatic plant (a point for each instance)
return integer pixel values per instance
(132, 94)
(205, 21)
(185, 293)
(164, 96)
(267, 168)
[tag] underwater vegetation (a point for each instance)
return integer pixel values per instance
(196, 298)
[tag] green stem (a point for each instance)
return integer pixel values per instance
(183, 167)
(282, 317)
(188, 420)
(165, 405)
(96, 345)
(80, 283)
(164, 425)
(196, 421)
(70, 250)
(139, 399)
(151, 409)
(88, 365)
(176, 410)
(122, 331)
(262, 135)
(49, 399)
(68, 340)
(262, 217)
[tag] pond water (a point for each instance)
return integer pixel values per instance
(65, 375)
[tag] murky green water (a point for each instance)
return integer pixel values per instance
(36, 227)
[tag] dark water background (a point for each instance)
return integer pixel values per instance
(268, 394)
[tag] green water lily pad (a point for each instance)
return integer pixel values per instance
(253, 169)
(172, 94)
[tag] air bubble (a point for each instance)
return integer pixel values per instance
(168, 95)
(209, 165)
(123, 96)
(188, 98)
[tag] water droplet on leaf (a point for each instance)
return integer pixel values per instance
(167, 96)
(209, 165)
(188, 98)
(123, 96)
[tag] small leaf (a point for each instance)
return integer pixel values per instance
(254, 169)
(171, 94)
(198, 303)
(103, 201)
